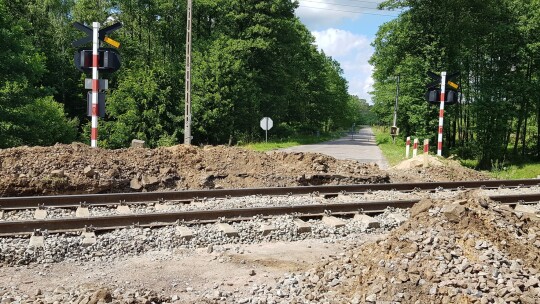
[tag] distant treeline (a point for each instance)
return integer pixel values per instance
(250, 59)
(495, 44)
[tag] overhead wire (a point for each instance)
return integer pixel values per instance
(347, 5)
(348, 11)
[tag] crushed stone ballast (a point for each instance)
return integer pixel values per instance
(11, 203)
(158, 219)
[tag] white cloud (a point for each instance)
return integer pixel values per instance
(321, 15)
(352, 51)
(339, 42)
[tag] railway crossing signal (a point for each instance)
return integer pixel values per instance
(108, 60)
(95, 59)
(446, 97)
(102, 34)
(433, 93)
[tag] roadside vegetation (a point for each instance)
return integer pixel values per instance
(493, 45)
(395, 153)
(273, 144)
(250, 59)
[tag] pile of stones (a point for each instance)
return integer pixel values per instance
(466, 250)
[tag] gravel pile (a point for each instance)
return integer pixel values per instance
(466, 250)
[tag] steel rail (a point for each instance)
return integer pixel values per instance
(205, 216)
(27, 202)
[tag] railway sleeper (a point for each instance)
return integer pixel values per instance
(123, 209)
(266, 229)
(40, 214)
(367, 220)
(333, 221)
(184, 232)
(82, 212)
(301, 226)
(227, 229)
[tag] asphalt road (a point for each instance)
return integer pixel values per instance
(360, 147)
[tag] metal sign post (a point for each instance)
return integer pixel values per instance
(266, 124)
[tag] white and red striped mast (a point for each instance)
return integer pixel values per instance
(95, 84)
(441, 114)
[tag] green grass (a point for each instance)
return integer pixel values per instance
(517, 171)
(291, 142)
(507, 170)
(394, 153)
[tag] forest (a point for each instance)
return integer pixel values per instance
(250, 59)
(494, 45)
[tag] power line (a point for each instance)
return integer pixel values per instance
(373, 2)
(347, 11)
(348, 5)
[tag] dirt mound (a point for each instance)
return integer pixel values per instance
(465, 250)
(77, 168)
(419, 162)
(433, 169)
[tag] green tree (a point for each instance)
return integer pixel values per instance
(28, 115)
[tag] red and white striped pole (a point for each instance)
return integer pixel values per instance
(426, 151)
(441, 113)
(408, 147)
(95, 84)
(415, 147)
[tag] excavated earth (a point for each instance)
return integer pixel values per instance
(464, 249)
(77, 168)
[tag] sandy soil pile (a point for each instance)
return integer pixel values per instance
(77, 168)
(433, 169)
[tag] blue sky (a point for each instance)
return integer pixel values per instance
(344, 29)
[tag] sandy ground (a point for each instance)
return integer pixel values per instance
(185, 273)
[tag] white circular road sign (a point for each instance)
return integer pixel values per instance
(267, 123)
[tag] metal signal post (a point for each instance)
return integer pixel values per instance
(441, 114)
(92, 61)
(95, 84)
(187, 112)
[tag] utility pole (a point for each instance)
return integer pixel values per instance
(395, 111)
(187, 112)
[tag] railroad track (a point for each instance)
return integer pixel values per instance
(63, 201)
(157, 219)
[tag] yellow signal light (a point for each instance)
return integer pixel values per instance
(453, 85)
(112, 42)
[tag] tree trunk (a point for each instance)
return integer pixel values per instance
(518, 130)
(538, 130)
(524, 135)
